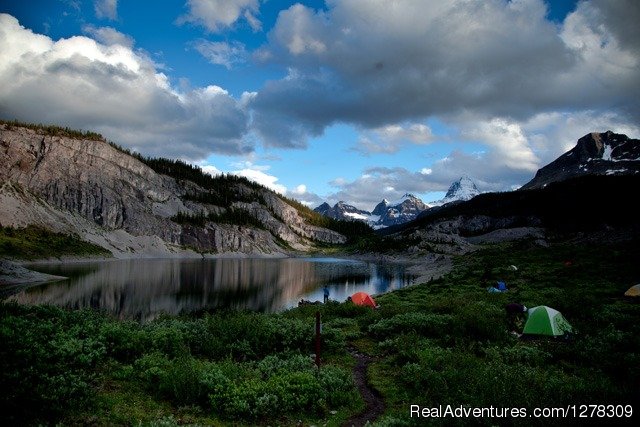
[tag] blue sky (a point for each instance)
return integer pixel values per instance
(340, 100)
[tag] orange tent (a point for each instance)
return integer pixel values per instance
(363, 298)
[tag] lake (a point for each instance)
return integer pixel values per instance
(144, 288)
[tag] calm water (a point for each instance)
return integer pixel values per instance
(142, 289)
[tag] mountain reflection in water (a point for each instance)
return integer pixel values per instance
(142, 289)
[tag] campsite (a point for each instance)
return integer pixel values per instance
(443, 342)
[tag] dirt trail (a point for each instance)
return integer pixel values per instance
(371, 396)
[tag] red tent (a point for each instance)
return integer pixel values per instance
(363, 298)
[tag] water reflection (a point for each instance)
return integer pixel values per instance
(142, 289)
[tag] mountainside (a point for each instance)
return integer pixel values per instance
(605, 153)
(401, 211)
(153, 207)
(560, 208)
(384, 215)
(460, 190)
(588, 191)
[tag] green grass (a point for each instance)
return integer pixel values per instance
(33, 242)
(445, 342)
(474, 361)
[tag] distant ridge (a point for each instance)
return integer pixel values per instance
(385, 214)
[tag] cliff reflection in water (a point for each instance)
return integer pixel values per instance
(142, 289)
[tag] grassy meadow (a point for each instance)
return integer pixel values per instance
(444, 342)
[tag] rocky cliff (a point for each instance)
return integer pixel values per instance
(108, 197)
(605, 153)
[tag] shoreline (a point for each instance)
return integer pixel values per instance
(424, 268)
(14, 274)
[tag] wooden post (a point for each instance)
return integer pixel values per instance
(318, 333)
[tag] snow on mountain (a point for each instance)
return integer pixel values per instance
(605, 153)
(342, 210)
(384, 214)
(460, 190)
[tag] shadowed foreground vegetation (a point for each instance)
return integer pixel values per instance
(445, 342)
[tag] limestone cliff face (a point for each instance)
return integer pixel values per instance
(93, 189)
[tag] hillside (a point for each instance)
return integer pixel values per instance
(77, 183)
(599, 206)
(605, 153)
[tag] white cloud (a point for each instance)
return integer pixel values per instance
(370, 64)
(390, 139)
(106, 9)
(552, 134)
(112, 89)
(221, 53)
(217, 15)
(107, 35)
(378, 183)
(259, 175)
(510, 147)
(514, 151)
(211, 170)
(299, 190)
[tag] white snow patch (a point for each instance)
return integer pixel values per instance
(615, 171)
(606, 155)
(356, 215)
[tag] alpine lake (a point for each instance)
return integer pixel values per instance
(143, 289)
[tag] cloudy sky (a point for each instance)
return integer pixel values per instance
(353, 100)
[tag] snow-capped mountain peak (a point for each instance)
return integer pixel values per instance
(461, 190)
(407, 196)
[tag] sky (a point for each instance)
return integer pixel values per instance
(354, 100)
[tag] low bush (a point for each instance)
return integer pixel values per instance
(425, 324)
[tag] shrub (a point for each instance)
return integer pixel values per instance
(425, 324)
(48, 358)
(284, 392)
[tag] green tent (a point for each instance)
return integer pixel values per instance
(544, 320)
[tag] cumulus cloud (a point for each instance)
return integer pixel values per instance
(258, 173)
(372, 65)
(514, 150)
(210, 169)
(378, 183)
(106, 9)
(391, 138)
(221, 53)
(112, 89)
(107, 35)
(217, 15)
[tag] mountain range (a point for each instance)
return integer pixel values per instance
(78, 183)
(587, 193)
(401, 211)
